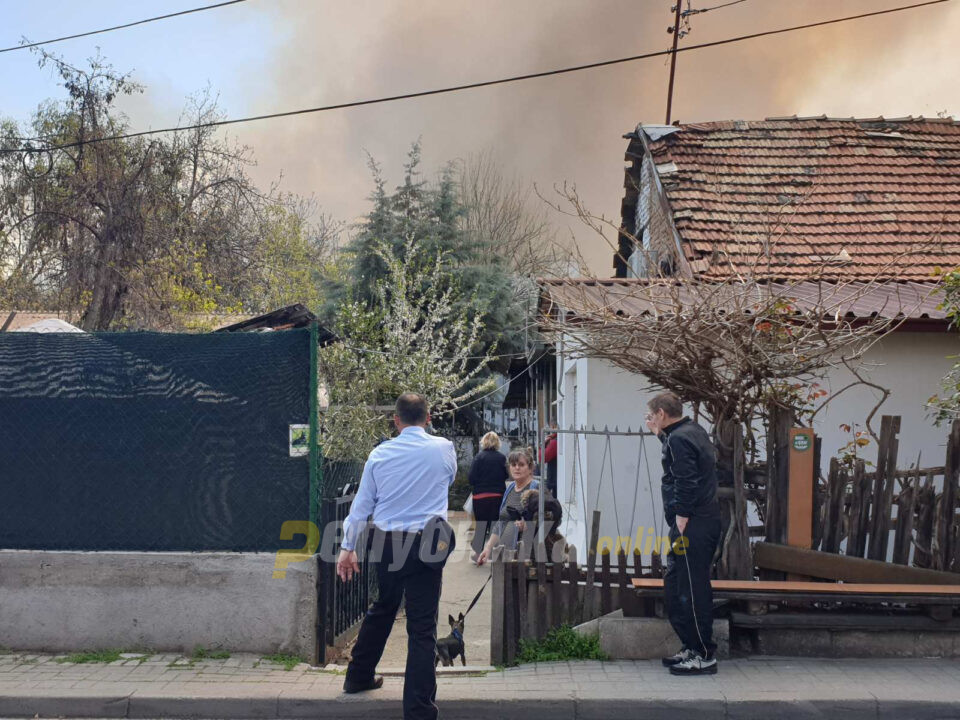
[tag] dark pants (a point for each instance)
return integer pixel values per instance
(421, 585)
(686, 583)
(485, 511)
(552, 477)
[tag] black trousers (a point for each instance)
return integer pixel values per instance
(486, 511)
(421, 585)
(686, 584)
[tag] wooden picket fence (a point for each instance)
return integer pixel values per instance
(531, 596)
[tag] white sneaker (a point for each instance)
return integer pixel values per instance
(676, 658)
(695, 664)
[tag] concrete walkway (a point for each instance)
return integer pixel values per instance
(461, 581)
(248, 687)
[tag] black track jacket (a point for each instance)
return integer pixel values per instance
(689, 485)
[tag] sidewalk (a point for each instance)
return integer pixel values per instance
(247, 687)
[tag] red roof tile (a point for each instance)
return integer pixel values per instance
(887, 192)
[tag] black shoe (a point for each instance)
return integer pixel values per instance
(354, 687)
(696, 664)
(676, 658)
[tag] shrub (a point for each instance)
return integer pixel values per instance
(562, 643)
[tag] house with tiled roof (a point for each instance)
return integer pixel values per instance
(864, 199)
(870, 207)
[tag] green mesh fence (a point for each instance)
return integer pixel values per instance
(339, 478)
(143, 441)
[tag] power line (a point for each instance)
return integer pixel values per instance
(120, 27)
(507, 384)
(388, 353)
(715, 7)
(467, 86)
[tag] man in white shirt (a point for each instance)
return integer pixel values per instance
(404, 486)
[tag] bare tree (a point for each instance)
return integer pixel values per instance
(737, 345)
(508, 218)
(141, 233)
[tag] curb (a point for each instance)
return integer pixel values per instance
(80, 704)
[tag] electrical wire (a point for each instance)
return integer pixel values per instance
(466, 86)
(25, 46)
(497, 389)
(387, 353)
(715, 7)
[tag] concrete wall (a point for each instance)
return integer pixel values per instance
(54, 601)
(596, 393)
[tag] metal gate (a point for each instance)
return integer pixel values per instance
(341, 606)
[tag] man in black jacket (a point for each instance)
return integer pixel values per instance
(689, 490)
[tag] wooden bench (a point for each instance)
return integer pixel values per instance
(787, 590)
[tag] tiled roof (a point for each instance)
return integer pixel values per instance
(865, 198)
(636, 297)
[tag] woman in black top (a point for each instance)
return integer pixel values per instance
(488, 479)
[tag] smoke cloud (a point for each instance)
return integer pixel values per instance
(567, 128)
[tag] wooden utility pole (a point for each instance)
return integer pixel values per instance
(673, 57)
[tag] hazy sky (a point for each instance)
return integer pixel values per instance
(267, 55)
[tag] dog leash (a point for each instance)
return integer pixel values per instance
(477, 596)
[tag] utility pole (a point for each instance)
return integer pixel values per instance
(673, 56)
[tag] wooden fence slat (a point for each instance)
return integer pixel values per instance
(656, 565)
(903, 538)
(883, 488)
(926, 500)
(778, 453)
(624, 598)
(589, 597)
(498, 613)
(574, 616)
(821, 497)
(740, 559)
(948, 502)
(525, 621)
(556, 593)
(956, 543)
(857, 544)
(606, 592)
(856, 503)
(514, 569)
(541, 604)
(830, 515)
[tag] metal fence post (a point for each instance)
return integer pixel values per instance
(314, 452)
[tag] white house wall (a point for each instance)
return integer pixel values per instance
(910, 364)
(594, 475)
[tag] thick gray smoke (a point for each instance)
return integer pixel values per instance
(567, 128)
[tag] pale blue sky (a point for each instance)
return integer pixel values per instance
(268, 55)
(173, 58)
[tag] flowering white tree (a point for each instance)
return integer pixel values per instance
(419, 334)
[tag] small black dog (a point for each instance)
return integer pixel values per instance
(452, 645)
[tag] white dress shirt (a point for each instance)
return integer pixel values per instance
(405, 483)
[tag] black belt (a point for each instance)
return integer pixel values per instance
(402, 532)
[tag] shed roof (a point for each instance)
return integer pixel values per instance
(635, 297)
